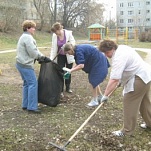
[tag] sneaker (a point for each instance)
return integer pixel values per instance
(24, 108)
(118, 133)
(69, 91)
(144, 126)
(99, 98)
(93, 103)
(62, 95)
(34, 111)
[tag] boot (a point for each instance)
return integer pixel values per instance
(68, 88)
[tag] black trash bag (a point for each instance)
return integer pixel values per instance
(50, 83)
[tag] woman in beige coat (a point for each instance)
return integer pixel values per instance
(59, 38)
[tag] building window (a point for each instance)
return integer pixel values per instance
(121, 13)
(130, 4)
(130, 12)
(130, 20)
(147, 11)
(130, 28)
(121, 21)
(139, 11)
(121, 4)
(147, 19)
(148, 3)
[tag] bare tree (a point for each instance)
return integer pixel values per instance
(55, 10)
(71, 10)
(41, 7)
(95, 13)
(52, 10)
(75, 12)
(71, 13)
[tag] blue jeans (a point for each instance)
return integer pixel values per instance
(30, 88)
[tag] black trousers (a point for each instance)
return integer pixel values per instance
(62, 61)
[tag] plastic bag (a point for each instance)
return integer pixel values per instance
(50, 83)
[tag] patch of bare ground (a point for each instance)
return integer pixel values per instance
(20, 131)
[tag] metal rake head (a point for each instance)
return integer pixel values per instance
(58, 147)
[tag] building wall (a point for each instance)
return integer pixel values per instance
(133, 14)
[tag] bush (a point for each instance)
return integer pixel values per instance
(148, 36)
(145, 36)
(142, 37)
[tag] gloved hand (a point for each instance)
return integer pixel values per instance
(46, 59)
(66, 69)
(43, 59)
(104, 99)
(66, 75)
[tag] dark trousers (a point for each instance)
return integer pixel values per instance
(62, 61)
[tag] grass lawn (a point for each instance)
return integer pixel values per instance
(43, 39)
(20, 131)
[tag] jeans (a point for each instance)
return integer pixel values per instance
(30, 88)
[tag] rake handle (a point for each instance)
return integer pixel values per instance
(86, 121)
(57, 55)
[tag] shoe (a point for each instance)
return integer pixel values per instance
(99, 98)
(93, 103)
(118, 133)
(68, 88)
(62, 95)
(34, 111)
(144, 126)
(69, 91)
(24, 108)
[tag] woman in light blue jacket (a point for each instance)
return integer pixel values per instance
(59, 38)
(27, 53)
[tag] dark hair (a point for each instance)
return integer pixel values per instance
(107, 45)
(27, 24)
(56, 26)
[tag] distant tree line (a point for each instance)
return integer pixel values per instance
(77, 14)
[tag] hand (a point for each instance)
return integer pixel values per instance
(66, 69)
(104, 98)
(43, 59)
(66, 75)
(46, 59)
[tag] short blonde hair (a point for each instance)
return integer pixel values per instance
(56, 26)
(27, 24)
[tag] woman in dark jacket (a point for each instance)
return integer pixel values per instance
(93, 62)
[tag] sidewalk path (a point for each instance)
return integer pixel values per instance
(148, 51)
(13, 50)
(148, 56)
(147, 59)
(6, 51)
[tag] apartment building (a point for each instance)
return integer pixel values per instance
(133, 14)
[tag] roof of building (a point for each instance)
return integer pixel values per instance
(96, 26)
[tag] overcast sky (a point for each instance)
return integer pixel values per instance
(110, 8)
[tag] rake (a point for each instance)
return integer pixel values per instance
(62, 148)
